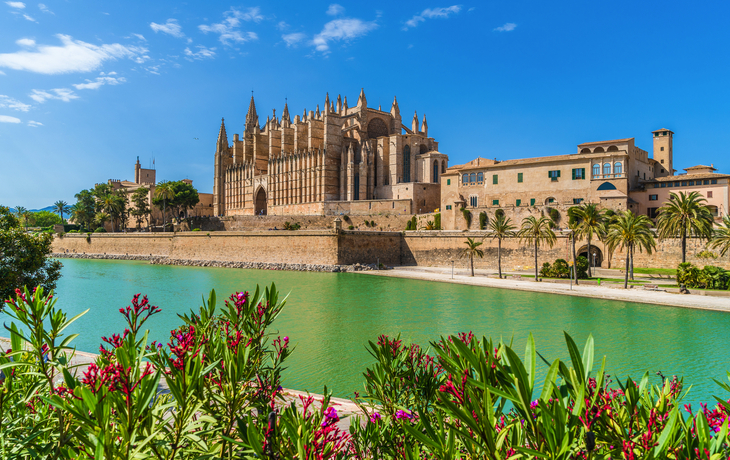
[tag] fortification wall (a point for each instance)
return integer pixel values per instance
(383, 222)
(307, 247)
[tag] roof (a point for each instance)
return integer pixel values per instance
(689, 177)
(523, 161)
(692, 168)
(614, 141)
(663, 129)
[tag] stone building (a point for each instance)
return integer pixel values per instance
(147, 177)
(351, 160)
(615, 174)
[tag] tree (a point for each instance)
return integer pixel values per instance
(24, 258)
(538, 231)
(165, 192)
(609, 218)
(114, 205)
(45, 218)
(573, 222)
(472, 249)
(61, 207)
(186, 197)
(721, 238)
(685, 215)
(141, 211)
(501, 228)
(84, 211)
(23, 215)
(630, 231)
(589, 225)
(101, 218)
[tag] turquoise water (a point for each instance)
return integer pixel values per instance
(331, 316)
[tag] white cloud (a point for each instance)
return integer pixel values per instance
(72, 56)
(293, 39)
(432, 13)
(341, 29)
(7, 102)
(335, 9)
(510, 26)
(62, 94)
(104, 79)
(30, 43)
(228, 28)
(34, 124)
(282, 25)
(171, 27)
(44, 8)
(202, 53)
(29, 18)
(8, 119)
(18, 5)
(2, 73)
(140, 36)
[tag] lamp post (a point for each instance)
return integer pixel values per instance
(594, 263)
(452, 269)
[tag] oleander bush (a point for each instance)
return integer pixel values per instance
(561, 269)
(461, 398)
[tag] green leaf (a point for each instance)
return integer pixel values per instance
(588, 355)
(530, 359)
(666, 434)
(575, 357)
(552, 374)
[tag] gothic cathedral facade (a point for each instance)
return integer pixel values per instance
(341, 160)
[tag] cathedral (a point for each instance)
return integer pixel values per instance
(339, 160)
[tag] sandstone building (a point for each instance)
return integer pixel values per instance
(353, 160)
(616, 174)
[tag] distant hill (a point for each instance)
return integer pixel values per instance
(47, 208)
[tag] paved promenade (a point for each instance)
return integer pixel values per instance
(637, 294)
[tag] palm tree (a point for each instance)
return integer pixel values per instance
(61, 207)
(573, 222)
(22, 213)
(501, 228)
(721, 239)
(102, 218)
(538, 231)
(113, 206)
(589, 219)
(165, 191)
(472, 249)
(631, 231)
(685, 215)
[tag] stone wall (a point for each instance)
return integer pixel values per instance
(383, 222)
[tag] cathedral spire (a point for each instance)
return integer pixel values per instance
(344, 106)
(285, 113)
(414, 123)
(327, 104)
(252, 119)
(339, 104)
(316, 114)
(222, 138)
(424, 125)
(361, 101)
(394, 109)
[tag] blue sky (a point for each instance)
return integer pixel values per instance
(86, 87)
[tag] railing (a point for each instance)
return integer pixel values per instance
(608, 176)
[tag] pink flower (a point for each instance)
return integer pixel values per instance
(401, 414)
(375, 418)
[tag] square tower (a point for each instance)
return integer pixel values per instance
(663, 152)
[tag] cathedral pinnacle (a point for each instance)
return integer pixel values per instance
(424, 125)
(222, 138)
(414, 123)
(252, 119)
(285, 114)
(361, 101)
(394, 109)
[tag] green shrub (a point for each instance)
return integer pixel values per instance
(195, 230)
(561, 269)
(408, 225)
(295, 226)
(100, 230)
(705, 254)
(437, 221)
(414, 223)
(73, 231)
(554, 215)
(499, 212)
(483, 220)
(351, 227)
(710, 277)
(467, 216)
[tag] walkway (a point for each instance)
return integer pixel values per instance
(461, 276)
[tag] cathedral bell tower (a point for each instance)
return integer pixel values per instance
(663, 154)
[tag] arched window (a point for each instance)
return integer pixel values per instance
(606, 168)
(585, 150)
(472, 178)
(435, 171)
(617, 168)
(613, 148)
(480, 177)
(596, 169)
(465, 179)
(443, 166)
(407, 163)
(598, 150)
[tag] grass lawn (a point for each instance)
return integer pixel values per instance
(655, 271)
